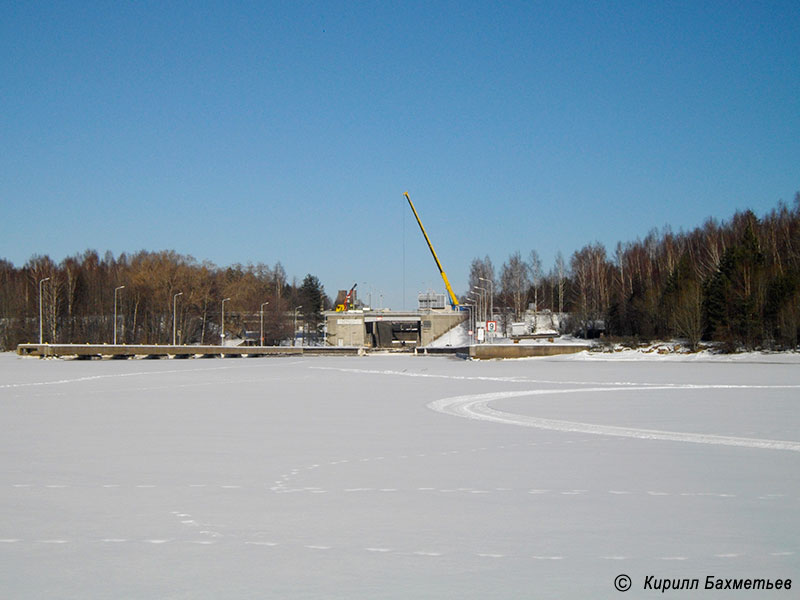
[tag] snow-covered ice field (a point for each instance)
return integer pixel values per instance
(397, 476)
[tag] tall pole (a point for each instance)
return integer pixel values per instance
(477, 299)
(483, 314)
(491, 297)
(369, 294)
(41, 326)
(477, 312)
(294, 332)
(470, 307)
(222, 334)
(116, 289)
(175, 317)
(262, 321)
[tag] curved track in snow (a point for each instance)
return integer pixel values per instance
(476, 406)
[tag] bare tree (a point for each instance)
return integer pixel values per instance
(687, 313)
(515, 282)
(561, 271)
(535, 269)
(480, 268)
(590, 270)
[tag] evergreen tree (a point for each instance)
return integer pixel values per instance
(734, 298)
(311, 296)
(782, 309)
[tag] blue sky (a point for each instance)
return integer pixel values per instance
(262, 132)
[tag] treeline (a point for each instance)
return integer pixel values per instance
(78, 300)
(735, 282)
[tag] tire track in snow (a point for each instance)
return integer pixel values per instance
(476, 406)
(489, 378)
(619, 385)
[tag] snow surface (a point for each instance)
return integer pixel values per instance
(396, 476)
(459, 336)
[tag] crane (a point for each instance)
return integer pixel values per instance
(346, 305)
(453, 299)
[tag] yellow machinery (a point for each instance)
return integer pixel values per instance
(347, 304)
(453, 299)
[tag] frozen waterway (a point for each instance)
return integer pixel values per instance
(360, 478)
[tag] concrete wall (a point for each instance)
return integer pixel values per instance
(436, 324)
(126, 351)
(493, 351)
(345, 329)
(348, 328)
(489, 351)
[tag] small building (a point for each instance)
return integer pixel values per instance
(431, 301)
(537, 323)
(388, 329)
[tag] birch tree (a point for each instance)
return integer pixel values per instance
(515, 282)
(535, 270)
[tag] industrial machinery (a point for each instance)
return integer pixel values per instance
(346, 303)
(453, 299)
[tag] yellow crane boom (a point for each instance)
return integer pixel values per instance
(453, 299)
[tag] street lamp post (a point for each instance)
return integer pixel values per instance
(294, 331)
(483, 314)
(476, 313)
(477, 298)
(369, 294)
(263, 304)
(116, 289)
(175, 317)
(491, 297)
(470, 308)
(41, 326)
(222, 334)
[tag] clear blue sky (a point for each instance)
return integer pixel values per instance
(288, 131)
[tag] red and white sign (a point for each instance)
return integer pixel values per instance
(491, 326)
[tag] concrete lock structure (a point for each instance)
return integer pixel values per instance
(388, 329)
